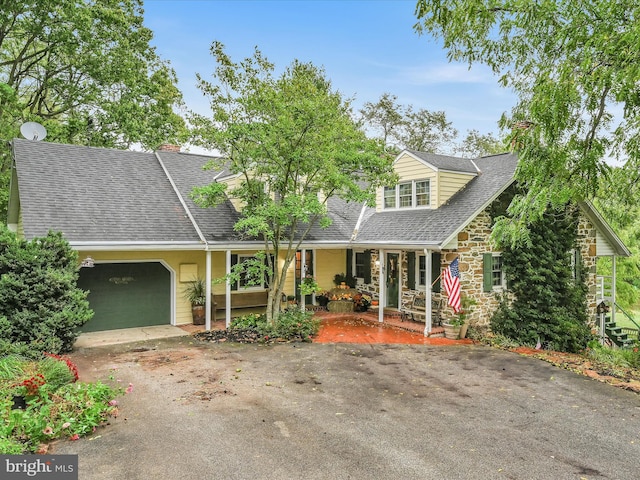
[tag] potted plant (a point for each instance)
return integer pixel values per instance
(457, 326)
(196, 293)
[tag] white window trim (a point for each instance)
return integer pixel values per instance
(413, 195)
(359, 280)
(250, 288)
(417, 272)
(503, 277)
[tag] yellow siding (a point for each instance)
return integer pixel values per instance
(172, 259)
(449, 183)
(232, 183)
(328, 264)
(408, 168)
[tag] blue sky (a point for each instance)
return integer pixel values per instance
(367, 47)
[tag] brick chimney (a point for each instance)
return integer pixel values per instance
(168, 147)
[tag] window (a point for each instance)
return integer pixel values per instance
(247, 280)
(405, 192)
(416, 193)
(497, 272)
(389, 197)
(423, 191)
(422, 270)
(360, 265)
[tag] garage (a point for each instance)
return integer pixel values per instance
(125, 295)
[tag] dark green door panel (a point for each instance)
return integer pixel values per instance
(125, 295)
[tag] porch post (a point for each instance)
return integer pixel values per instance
(427, 294)
(382, 285)
(227, 293)
(613, 288)
(207, 304)
(303, 274)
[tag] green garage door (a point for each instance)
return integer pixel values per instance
(125, 295)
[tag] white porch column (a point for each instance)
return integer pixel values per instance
(207, 303)
(613, 288)
(303, 274)
(227, 311)
(382, 287)
(427, 294)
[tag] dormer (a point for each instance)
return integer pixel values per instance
(426, 180)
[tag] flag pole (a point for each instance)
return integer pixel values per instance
(437, 278)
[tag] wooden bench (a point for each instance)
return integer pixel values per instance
(417, 310)
(239, 299)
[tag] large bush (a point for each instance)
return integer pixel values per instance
(546, 280)
(41, 306)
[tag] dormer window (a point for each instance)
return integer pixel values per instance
(415, 193)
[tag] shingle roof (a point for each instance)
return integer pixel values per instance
(445, 162)
(436, 226)
(97, 195)
(103, 195)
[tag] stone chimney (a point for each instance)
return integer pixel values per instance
(168, 147)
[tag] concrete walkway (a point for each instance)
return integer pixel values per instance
(127, 335)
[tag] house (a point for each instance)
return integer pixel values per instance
(130, 216)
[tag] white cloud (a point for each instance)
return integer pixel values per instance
(448, 73)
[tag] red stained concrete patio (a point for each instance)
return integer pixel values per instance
(364, 328)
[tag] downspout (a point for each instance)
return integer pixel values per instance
(202, 239)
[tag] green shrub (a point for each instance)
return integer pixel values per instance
(292, 325)
(41, 306)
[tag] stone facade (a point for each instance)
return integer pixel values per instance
(473, 242)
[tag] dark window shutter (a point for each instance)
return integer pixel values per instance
(367, 266)
(349, 270)
(411, 270)
(487, 267)
(234, 261)
(436, 270)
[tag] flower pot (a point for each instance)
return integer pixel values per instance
(451, 332)
(198, 314)
(463, 330)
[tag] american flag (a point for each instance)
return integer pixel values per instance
(451, 281)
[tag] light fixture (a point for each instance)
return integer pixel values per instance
(87, 262)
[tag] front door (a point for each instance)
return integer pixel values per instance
(393, 280)
(308, 272)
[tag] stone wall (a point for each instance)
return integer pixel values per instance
(473, 242)
(587, 243)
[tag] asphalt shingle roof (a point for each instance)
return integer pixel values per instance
(435, 226)
(103, 195)
(446, 162)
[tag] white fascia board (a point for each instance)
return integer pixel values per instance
(604, 228)
(136, 246)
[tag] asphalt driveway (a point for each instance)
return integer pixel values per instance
(341, 411)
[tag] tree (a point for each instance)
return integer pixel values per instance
(616, 199)
(295, 144)
(574, 67)
(476, 145)
(85, 70)
(399, 126)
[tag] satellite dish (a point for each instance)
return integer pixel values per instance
(33, 131)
